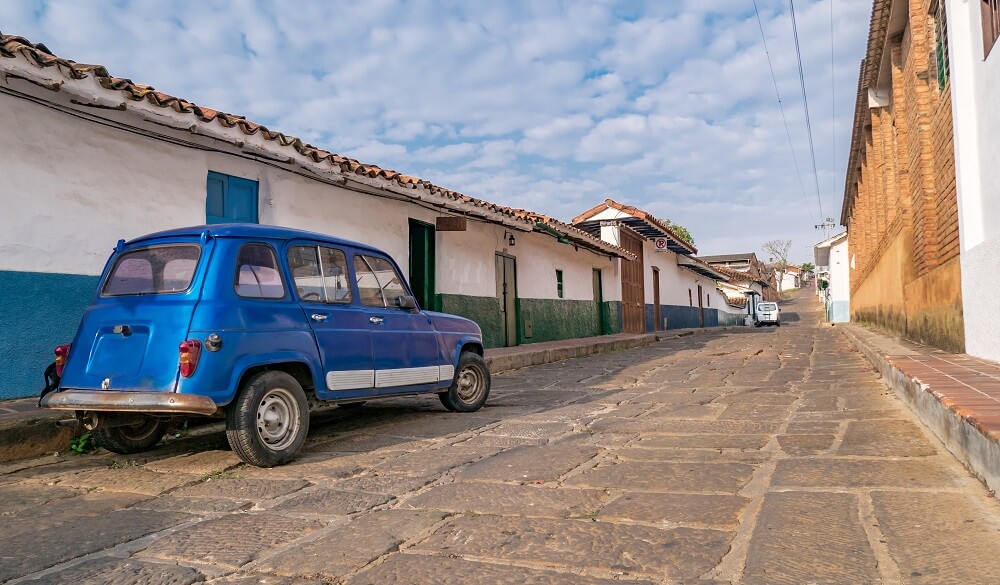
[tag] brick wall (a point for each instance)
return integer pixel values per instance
(901, 207)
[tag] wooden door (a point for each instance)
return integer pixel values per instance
(701, 308)
(603, 324)
(633, 286)
(422, 263)
(507, 295)
(657, 317)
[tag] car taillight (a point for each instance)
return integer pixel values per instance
(62, 352)
(188, 353)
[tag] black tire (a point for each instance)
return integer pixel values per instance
(471, 386)
(131, 439)
(268, 422)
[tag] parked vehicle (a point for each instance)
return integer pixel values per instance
(768, 314)
(254, 324)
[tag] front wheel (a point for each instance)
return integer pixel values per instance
(471, 386)
(131, 439)
(268, 422)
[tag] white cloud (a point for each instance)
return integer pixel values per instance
(549, 106)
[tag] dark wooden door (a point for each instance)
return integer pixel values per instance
(701, 308)
(633, 286)
(603, 324)
(657, 317)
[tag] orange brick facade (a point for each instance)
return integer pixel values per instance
(900, 204)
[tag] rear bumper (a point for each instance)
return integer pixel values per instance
(151, 402)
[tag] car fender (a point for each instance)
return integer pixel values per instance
(462, 342)
(247, 362)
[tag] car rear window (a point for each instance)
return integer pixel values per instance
(154, 270)
(767, 306)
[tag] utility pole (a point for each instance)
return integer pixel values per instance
(825, 226)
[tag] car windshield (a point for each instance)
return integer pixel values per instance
(767, 307)
(154, 270)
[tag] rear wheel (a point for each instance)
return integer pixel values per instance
(471, 387)
(269, 421)
(131, 439)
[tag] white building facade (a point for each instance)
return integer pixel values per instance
(973, 29)
(833, 268)
(95, 158)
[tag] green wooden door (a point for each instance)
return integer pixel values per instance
(422, 263)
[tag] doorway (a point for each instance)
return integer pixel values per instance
(422, 263)
(507, 296)
(633, 301)
(701, 308)
(657, 316)
(603, 321)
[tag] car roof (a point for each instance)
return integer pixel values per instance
(249, 230)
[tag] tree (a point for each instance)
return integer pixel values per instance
(808, 267)
(778, 249)
(681, 231)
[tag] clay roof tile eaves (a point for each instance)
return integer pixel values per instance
(12, 45)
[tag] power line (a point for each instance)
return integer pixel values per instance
(833, 100)
(781, 106)
(805, 103)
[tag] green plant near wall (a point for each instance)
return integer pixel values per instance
(82, 444)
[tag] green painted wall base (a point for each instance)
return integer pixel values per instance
(538, 319)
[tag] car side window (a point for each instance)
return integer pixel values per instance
(320, 274)
(378, 282)
(303, 262)
(335, 283)
(257, 273)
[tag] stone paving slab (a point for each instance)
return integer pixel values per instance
(862, 473)
(531, 464)
(666, 476)
(325, 503)
(668, 508)
(704, 441)
(112, 571)
(131, 479)
(348, 548)
(892, 438)
(643, 551)
(230, 541)
(810, 538)
(939, 521)
(69, 512)
(405, 569)
(21, 554)
(510, 500)
(239, 488)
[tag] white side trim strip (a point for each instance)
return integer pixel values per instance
(359, 379)
(350, 380)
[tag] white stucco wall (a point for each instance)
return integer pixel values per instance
(72, 187)
(975, 85)
(840, 279)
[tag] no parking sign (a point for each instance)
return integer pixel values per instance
(661, 244)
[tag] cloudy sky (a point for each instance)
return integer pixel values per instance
(551, 106)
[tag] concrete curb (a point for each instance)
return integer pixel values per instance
(979, 453)
(524, 359)
(33, 435)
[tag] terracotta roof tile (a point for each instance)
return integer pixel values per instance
(11, 46)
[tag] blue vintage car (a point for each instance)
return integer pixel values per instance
(256, 324)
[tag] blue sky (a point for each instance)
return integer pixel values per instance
(551, 106)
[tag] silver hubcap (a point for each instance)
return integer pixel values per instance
(277, 419)
(470, 384)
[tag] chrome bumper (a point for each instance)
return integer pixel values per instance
(108, 401)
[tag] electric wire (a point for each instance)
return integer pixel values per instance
(805, 104)
(781, 107)
(833, 101)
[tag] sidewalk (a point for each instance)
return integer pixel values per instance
(955, 395)
(26, 431)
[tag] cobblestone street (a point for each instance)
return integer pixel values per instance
(769, 455)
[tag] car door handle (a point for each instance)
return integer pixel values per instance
(376, 320)
(318, 317)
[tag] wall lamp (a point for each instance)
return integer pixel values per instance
(510, 238)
